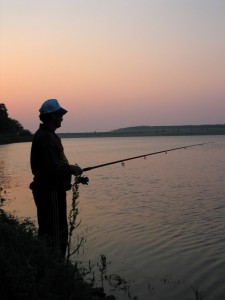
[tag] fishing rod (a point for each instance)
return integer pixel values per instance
(139, 156)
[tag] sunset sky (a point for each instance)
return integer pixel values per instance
(114, 63)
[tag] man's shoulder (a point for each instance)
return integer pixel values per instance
(43, 136)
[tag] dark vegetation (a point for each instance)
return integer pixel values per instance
(11, 131)
(30, 270)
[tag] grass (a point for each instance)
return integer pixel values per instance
(30, 270)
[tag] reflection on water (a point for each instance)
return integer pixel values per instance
(15, 179)
(160, 221)
(4, 178)
(3, 174)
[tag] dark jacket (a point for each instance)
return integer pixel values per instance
(49, 164)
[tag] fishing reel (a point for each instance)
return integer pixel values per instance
(83, 179)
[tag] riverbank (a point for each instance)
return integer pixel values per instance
(8, 138)
(30, 270)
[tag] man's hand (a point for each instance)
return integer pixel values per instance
(76, 170)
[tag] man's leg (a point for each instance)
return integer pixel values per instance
(52, 218)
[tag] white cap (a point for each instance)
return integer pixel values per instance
(52, 106)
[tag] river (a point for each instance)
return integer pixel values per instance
(160, 221)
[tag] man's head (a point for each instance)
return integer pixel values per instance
(52, 112)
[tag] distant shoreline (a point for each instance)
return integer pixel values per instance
(14, 138)
(185, 130)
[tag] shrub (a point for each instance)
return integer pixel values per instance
(30, 270)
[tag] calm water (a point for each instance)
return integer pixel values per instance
(160, 221)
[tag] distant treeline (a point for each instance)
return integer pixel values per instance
(11, 131)
(153, 131)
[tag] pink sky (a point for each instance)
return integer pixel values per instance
(114, 63)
